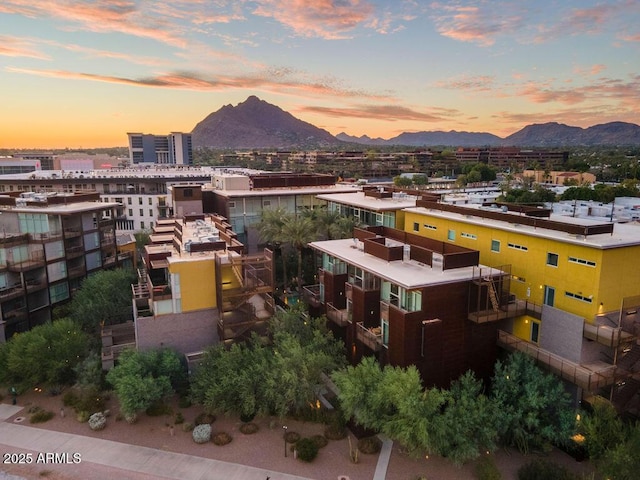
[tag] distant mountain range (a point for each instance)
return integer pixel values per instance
(255, 123)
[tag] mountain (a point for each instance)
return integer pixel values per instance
(255, 123)
(558, 135)
(459, 139)
(364, 139)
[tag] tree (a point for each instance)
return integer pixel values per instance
(533, 407)
(270, 228)
(401, 181)
(603, 429)
(141, 379)
(47, 354)
(468, 425)
(104, 298)
(299, 231)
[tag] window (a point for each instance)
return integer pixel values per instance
(384, 327)
(549, 295)
(59, 292)
(131, 212)
(469, 235)
(150, 212)
(552, 259)
(429, 227)
(187, 192)
(579, 296)
(141, 212)
(139, 200)
(535, 331)
(150, 201)
(232, 204)
(129, 200)
(451, 235)
(495, 246)
(416, 227)
(515, 246)
(581, 261)
(266, 203)
(142, 225)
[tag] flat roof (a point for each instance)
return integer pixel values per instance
(65, 208)
(624, 234)
(409, 274)
(267, 192)
(360, 200)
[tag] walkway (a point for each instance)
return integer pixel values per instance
(127, 457)
(144, 460)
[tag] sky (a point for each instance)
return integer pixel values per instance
(83, 73)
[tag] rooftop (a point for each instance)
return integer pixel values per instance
(409, 274)
(358, 199)
(623, 235)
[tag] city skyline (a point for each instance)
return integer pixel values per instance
(80, 75)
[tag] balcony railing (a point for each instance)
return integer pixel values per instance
(606, 335)
(369, 337)
(510, 310)
(339, 317)
(589, 378)
(11, 292)
(311, 295)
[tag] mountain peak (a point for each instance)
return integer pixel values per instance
(256, 123)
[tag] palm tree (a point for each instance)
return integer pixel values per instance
(343, 227)
(323, 219)
(271, 231)
(299, 231)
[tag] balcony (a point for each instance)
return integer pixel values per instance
(72, 232)
(510, 310)
(34, 284)
(311, 294)
(74, 252)
(36, 259)
(109, 261)
(590, 378)
(15, 313)
(79, 271)
(606, 335)
(8, 293)
(371, 338)
(339, 317)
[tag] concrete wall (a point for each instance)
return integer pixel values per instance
(561, 333)
(185, 332)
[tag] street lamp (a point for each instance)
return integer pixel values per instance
(284, 427)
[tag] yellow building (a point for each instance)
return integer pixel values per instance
(579, 279)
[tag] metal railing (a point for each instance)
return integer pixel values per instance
(369, 338)
(340, 317)
(586, 378)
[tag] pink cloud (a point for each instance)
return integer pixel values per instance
(100, 16)
(19, 47)
(191, 81)
(473, 24)
(390, 113)
(329, 19)
(480, 83)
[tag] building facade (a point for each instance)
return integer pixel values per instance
(172, 149)
(49, 244)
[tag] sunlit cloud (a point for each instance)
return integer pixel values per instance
(193, 81)
(328, 19)
(20, 47)
(603, 88)
(474, 24)
(101, 16)
(476, 83)
(389, 113)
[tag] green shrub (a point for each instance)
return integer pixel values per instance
(184, 402)
(158, 409)
(307, 449)
(369, 445)
(89, 400)
(486, 469)
(246, 418)
(83, 416)
(187, 427)
(249, 428)
(204, 419)
(34, 409)
(291, 437)
(540, 469)
(221, 438)
(178, 418)
(41, 416)
(320, 441)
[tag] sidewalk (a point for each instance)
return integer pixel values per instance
(127, 457)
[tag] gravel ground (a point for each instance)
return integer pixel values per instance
(264, 449)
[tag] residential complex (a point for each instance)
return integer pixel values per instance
(172, 149)
(49, 244)
(196, 288)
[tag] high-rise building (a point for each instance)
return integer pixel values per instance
(172, 149)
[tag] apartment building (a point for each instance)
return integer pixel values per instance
(240, 195)
(49, 244)
(196, 288)
(172, 149)
(508, 157)
(410, 300)
(581, 278)
(142, 192)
